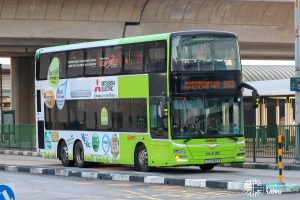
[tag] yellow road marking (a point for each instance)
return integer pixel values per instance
(140, 194)
(130, 192)
(148, 197)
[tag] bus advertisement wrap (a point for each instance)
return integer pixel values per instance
(90, 88)
(99, 146)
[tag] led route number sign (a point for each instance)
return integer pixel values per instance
(224, 84)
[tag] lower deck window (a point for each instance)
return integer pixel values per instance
(124, 115)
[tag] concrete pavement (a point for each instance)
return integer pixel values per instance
(220, 177)
(288, 164)
(20, 153)
(29, 186)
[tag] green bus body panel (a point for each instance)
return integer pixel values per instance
(133, 86)
(101, 43)
(158, 150)
(146, 38)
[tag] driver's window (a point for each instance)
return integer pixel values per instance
(158, 122)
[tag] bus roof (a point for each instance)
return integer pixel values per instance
(101, 43)
(128, 40)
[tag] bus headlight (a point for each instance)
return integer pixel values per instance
(242, 149)
(179, 151)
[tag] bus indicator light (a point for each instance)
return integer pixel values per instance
(130, 137)
(210, 140)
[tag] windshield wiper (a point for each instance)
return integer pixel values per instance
(209, 136)
(191, 137)
(234, 138)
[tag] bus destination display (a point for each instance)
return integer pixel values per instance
(208, 84)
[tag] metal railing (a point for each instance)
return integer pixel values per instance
(21, 137)
(262, 141)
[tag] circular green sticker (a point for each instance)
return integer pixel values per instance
(53, 73)
(95, 142)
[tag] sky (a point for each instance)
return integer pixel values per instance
(5, 61)
(244, 62)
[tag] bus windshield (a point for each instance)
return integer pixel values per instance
(204, 117)
(204, 53)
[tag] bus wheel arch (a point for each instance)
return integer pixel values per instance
(62, 153)
(78, 153)
(206, 167)
(141, 159)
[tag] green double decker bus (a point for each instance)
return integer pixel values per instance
(162, 100)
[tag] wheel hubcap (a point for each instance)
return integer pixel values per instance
(80, 155)
(143, 157)
(64, 154)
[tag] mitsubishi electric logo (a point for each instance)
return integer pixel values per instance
(105, 87)
(97, 87)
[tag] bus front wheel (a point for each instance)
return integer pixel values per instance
(142, 159)
(207, 167)
(79, 155)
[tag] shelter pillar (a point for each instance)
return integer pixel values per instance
(258, 124)
(286, 124)
(22, 71)
(277, 113)
(263, 130)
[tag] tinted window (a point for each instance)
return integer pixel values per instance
(155, 56)
(45, 61)
(133, 58)
(76, 62)
(111, 61)
(93, 65)
(114, 60)
(125, 115)
(43, 66)
(62, 57)
(158, 124)
(38, 100)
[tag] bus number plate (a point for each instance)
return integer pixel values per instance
(212, 161)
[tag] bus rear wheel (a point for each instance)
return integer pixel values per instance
(63, 155)
(142, 159)
(79, 155)
(207, 167)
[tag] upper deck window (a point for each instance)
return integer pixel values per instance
(76, 62)
(111, 61)
(204, 53)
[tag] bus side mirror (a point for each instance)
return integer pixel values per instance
(255, 99)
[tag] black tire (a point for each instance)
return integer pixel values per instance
(142, 159)
(63, 155)
(79, 155)
(206, 167)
